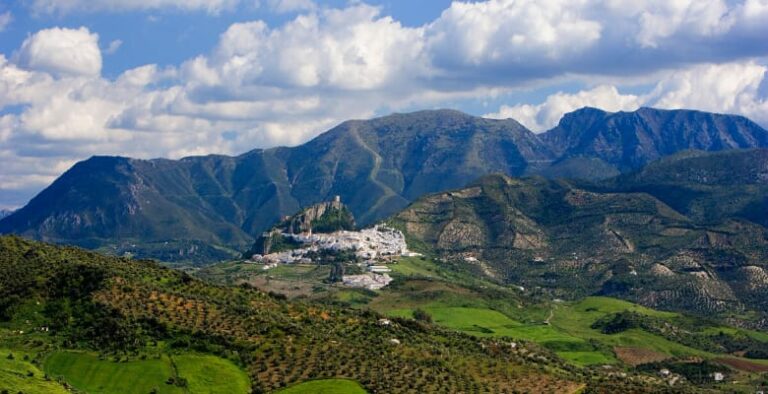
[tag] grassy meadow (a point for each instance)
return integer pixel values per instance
(325, 386)
(201, 374)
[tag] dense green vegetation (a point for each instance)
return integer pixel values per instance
(19, 375)
(119, 316)
(451, 295)
(325, 386)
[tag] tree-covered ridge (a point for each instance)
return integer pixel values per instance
(575, 239)
(109, 304)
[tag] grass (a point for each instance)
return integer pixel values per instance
(204, 374)
(577, 318)
(15, 375)
(207, 374)
(415, 266)
(569, 333)
(86, 372)
(587, 358)
(486, 322)
(325, 386)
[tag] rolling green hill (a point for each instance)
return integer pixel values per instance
(118, 317)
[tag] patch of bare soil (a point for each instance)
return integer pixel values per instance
(636, 356)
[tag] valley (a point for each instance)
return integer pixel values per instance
(638, 273)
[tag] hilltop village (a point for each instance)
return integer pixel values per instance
(327, 229)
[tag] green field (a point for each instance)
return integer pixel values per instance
(87, 373)
(204, 374)
(15, 375)
(326, 386)
(569, 332)
(209, 374)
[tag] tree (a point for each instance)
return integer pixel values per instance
(422, 315)
(337, 272)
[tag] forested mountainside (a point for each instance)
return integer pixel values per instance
(202, 209)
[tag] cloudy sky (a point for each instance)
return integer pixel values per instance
(173, 78)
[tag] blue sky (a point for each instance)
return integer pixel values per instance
(172, 78)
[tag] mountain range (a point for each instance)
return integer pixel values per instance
(207, 208)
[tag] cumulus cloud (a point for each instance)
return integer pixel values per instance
(725, 88)
(62, 51)
(544, 116)
(353, 49)
(263, 85)
(511, 32)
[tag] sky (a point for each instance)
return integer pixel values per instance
(175, 78)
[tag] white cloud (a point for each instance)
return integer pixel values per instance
(659, 19)
(62, 51)
(113, 47)
(511, 32)
(729, 88)
(68, 6)
(544, 116)
(285, 6)
(352, 49)
(724, 88)
(5, 19)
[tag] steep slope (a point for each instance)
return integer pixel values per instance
(124, 307)
(629, 140)
(708, 187)
(324, 217)
(573, 242)
(200, 208)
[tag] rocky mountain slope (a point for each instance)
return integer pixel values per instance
(572, 240)
(629, 140)
(707, 187)
(209, 208)
(324, 217)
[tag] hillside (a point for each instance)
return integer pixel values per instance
(324, 217)
(708, 187)
(203, 209)
(625, 141)
(571, 242)
(140, 313)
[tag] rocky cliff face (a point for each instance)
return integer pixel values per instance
(324, 217)
(628, 140)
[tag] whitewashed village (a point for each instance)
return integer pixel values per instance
(375, 247)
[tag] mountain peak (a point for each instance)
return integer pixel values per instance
(629, 140)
